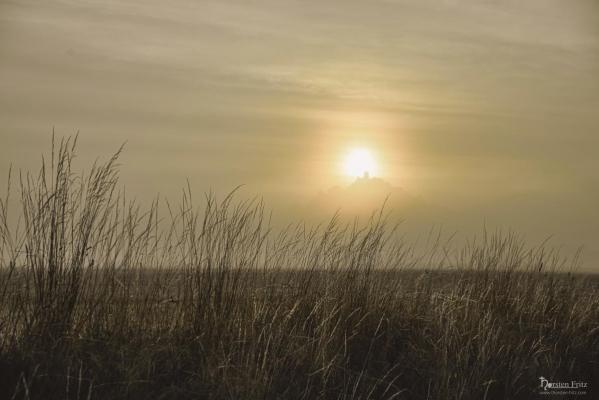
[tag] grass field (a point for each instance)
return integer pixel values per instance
(103, 299)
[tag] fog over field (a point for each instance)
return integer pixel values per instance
(484, 111)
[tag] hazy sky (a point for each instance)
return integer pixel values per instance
(487, 108)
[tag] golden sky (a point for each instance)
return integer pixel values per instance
(489, 109)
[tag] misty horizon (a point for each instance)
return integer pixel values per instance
(484, 110)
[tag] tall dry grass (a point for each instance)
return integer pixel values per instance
(101, 298)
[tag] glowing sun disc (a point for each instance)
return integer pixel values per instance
(360, 162)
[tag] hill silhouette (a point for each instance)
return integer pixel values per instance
(365, 195)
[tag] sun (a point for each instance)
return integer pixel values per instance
(360, 162)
